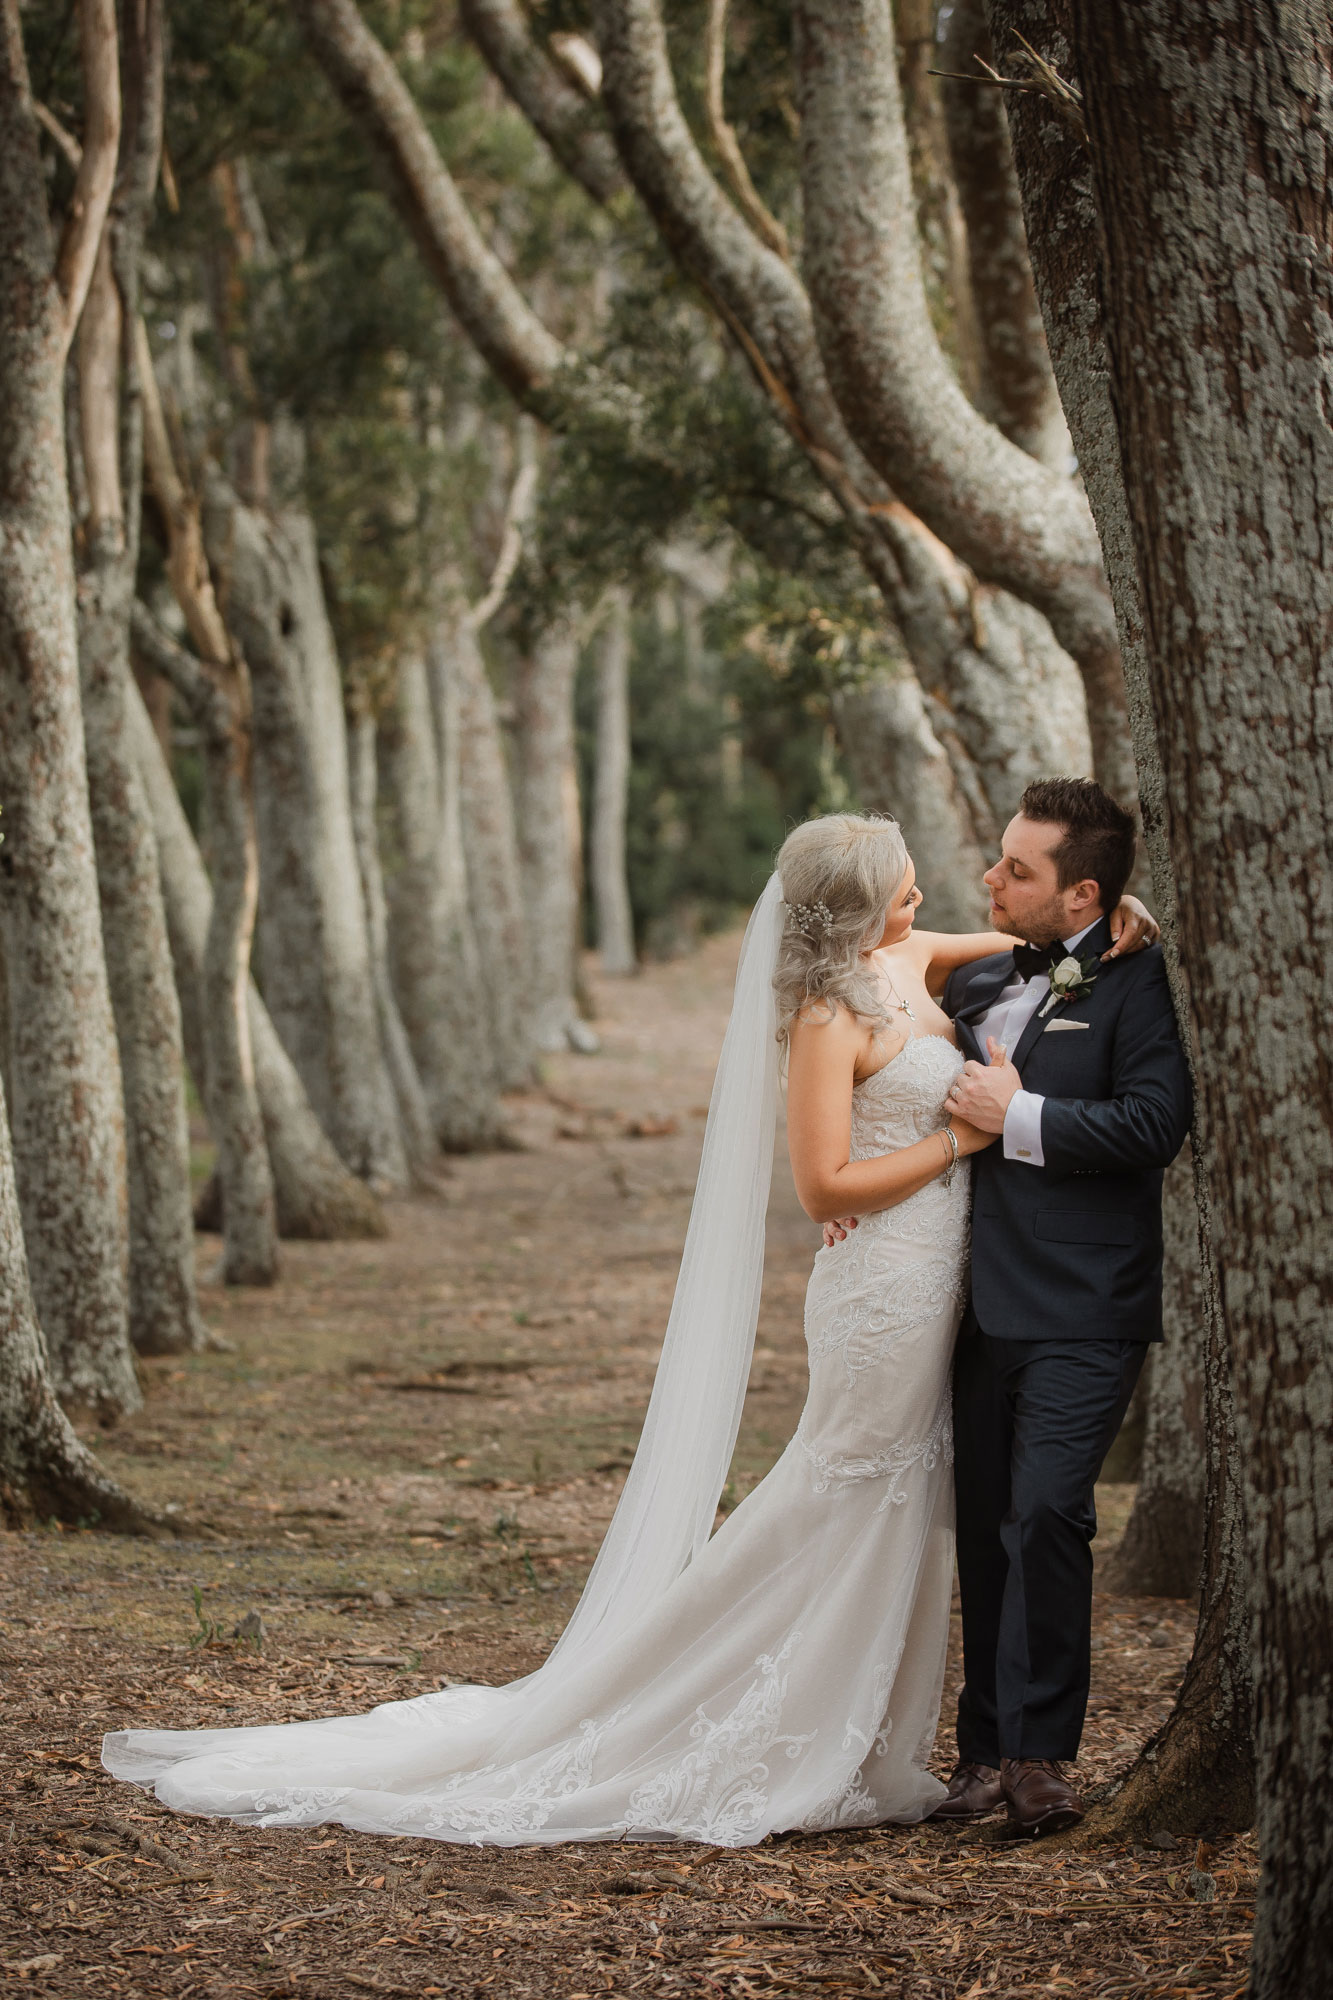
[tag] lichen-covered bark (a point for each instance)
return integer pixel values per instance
(413, 1110)
(217, 695)
(1017, 388)
(433, 952)
(313, 946)
(490, 850)
(547, 804)
(45, 1471)
(610, 884)
(316, 1195)
(164, 1310)
(1207, 136)
(1011, 520)
(67, 1119)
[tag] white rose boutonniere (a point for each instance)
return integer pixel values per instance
(1070, 979)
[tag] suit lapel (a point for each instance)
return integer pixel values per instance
(1093, 945)
(982, 994)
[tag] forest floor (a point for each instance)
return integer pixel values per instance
(402, 1461)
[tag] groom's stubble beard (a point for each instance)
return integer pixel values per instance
(1042, 926)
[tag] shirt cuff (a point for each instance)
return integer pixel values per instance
(1022, 1128)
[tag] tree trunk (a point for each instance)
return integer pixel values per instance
(1203, 154)
(316, 1196)
(413, 1111)
(1198, 1772)
(490, 849)
(546, 790)
(164, 1309)
(1162, 1548)
(218, 697)
(45, 1471)
(1207, 158)
(313, 947)
(610, 885)
(68, 1131)
(434, 956)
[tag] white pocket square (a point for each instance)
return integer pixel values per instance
(1058, 1027)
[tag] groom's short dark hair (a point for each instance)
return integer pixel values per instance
(1099, 838)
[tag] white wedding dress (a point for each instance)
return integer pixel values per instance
(784, 1673)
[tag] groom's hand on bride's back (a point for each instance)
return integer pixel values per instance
(836, 1232)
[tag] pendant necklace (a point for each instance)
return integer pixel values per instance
(900, 1004)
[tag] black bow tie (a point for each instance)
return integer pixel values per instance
(1030, 959)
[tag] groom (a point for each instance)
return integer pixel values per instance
(1092, 1102)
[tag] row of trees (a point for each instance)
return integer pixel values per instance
(769, 290)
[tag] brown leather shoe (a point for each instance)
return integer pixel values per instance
(1039, 1797)
(974, 1791)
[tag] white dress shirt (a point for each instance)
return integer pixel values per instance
(1006, 1019)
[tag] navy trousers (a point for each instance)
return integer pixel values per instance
(1033, 1420)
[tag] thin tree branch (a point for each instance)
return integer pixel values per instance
(540, 86)
(96, 176)
(518, 511)
(66, 141)
(724, 137)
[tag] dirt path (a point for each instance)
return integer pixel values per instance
(402, 1464)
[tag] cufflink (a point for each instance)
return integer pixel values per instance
(1025, 1152)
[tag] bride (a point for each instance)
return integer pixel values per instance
(784, 1672)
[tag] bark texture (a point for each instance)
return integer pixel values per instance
(413, 1111)
(610, 884)
(68, 1134)
(164, 1310)
(1010, 519)
(433, 950)
(317, 1197)
(46, 1472)
(219, 702)
(494, 875)
(1016, 389)
(1207, 145)
(543, 91)
(1197, 1775)
(313, 946)
(547, 797)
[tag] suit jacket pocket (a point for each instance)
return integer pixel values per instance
(1059, 1027)
(1081, 1225)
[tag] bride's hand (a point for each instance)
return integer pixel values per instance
(1132, 927)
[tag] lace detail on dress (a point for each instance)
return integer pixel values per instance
(527, 1804)
(892, 1464)
(719, 1792)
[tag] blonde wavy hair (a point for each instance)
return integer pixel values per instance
(839, 875)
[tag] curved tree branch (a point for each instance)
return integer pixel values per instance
(1017, 389)
(724, 137)
(518, 510)
(1014, 522)
(95, 181)
(541, 88)
(493, 312)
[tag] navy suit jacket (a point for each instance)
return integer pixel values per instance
(1073, 1249)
